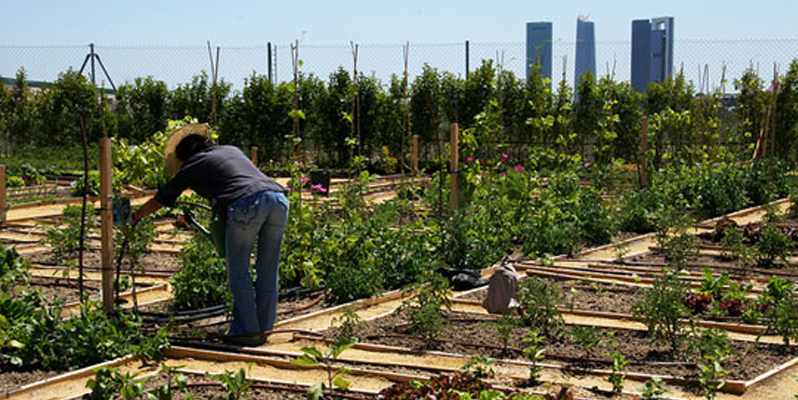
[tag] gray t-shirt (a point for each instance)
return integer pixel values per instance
(221, 174)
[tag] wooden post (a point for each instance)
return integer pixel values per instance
(415, 155)
(107, 224)
(3, 194)
(643, 158)
(454, 175)
(253, 154)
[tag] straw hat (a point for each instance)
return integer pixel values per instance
(173, 164)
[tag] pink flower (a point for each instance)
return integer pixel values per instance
(505, 157)
(518, 168)
(304, 180)
(469, 159)
(288, 189)
(318, 187)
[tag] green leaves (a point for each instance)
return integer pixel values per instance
(314, 357)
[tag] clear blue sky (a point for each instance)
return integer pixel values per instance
(322, 22)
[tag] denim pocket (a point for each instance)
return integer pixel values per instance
(245, 210)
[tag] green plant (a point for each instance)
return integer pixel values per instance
(42, 338)
(680, 247)
(480, 367)
(539, 302)
(327, 359)
(618, 371)
(715, 287)
(203, 280)
(136, 242)
(773, 244)
(424, 309)
(709, 341)
(663, 310)
(64, 238)
(504, 328)
(734, 247)
(535, 353)
(589, 337)
(93, 189)
(782, 318)
(711, 371)
(654, 389)
(175, 383)
(235, 384)
(349, 323)
(14, 181)
(111, 384)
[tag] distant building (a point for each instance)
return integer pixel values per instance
(539, 47)
(652, 51)
(585, 48)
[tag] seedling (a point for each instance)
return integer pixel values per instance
(235, 384)
(111, 383)
(653, 389)
(504, 328)
(175, 383)
(710, 372)
(64, 238)
(618, 371)
(589, 337)
(335, 379)
(479, 367)
(535, 354)
(349, 323)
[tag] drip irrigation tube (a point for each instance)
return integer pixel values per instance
(212, 311)
(519, 350)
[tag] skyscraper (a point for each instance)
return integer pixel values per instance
(585, 48)
(652, 51)
(539, 47)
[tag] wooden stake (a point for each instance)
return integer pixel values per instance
(253, 155)
(643, 161)
(455, 153)
(3, 194)
(415, 155)
(107, 224)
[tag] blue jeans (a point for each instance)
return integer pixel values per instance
(263, 216)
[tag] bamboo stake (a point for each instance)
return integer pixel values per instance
(253, 155)
(106, 224)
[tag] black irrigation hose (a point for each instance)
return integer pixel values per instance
(185, 319)
(183, 312)
(202, 343)
(288, 294)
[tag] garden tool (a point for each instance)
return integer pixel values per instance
(215, 232)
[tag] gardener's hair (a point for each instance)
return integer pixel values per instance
(190, 145)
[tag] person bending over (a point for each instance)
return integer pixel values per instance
(255, 210)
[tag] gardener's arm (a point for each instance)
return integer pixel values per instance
(152, 205)
(166, 197)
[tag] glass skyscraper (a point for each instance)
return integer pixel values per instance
(539, 47)
(652, 51)
(585, 48)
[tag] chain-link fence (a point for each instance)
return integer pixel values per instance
(704, 62)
